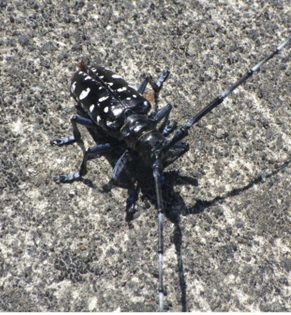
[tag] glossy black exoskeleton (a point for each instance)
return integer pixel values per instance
(120, 114)
(119, 119)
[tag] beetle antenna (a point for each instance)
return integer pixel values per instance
(157, 169)
(183, 131)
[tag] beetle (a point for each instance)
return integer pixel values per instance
(120, 120)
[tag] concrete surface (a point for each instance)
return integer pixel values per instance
(227, 236)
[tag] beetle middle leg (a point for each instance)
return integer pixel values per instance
(87, 122)
(163, 114)
(90, 153)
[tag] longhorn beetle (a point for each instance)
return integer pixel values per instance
(120, 119)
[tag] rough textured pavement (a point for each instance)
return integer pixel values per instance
(227, 232)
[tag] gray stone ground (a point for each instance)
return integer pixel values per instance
(227, 239)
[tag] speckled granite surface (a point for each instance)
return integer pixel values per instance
(227, 237)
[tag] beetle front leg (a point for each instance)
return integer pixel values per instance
(87, 122)
(123, 176)
(130, 203)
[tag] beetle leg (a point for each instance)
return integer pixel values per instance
(89, 153)
(130, 202)
(123, 177)
(87, 122)
(163, 114)
(156, 86)
(169, 127)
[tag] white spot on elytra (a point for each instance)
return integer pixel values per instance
(122, 89)
(84, 93)
(101, 76)
(106, 109)
(73, 86)
(128, 98)
(110, 83)
(137, 128)
(134, 96)
(91, 108)
(145, 103)
(98, 119)
(102, 99)
(116, 76)
(117, 111)
(87, 78)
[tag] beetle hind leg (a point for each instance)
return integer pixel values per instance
(156, 86)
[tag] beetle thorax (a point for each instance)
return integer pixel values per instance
(141, 135)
